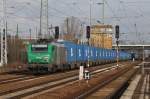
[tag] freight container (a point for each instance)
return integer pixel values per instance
(70, 51)
(79, 52)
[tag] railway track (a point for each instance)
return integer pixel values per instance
(76, 89)
(99, 86)
(14, 76)
(114, 88)
(145, 93)
(28, 90)
(142, 90)
(20, 78)
(8, 77)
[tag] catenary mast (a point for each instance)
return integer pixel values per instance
(43, 19)
(3, 32)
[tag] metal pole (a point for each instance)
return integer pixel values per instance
(4, 35)
(36, 33)
(90, 29)
(90, 12)
(103, 40)
(17, 31)
(117, 42)
(67, 21)
(47, 18)
(88, 52)
(117, 53)
(143, 54)
(103, 11)
(143, 59)
(40, 33)
(6, 58)
(30, 33)
(1, 48)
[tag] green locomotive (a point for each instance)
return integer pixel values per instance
(39, 54)
(45, 57)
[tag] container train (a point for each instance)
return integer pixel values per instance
(65, 55)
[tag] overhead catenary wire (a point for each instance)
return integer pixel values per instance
(122, 5)
(140, 15)
(50, 9)
(58, 13)
(114, 14)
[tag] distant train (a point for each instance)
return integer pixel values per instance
(65, 55)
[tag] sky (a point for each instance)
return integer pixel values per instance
(133, 16)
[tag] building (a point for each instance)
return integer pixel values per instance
(101, 36)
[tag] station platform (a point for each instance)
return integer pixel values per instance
(139, 87)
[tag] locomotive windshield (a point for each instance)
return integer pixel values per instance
(39, 48)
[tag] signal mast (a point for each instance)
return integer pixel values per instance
(3, 32)
(43, 20)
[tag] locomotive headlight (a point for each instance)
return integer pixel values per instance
(29, 60)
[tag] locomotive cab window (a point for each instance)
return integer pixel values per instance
(39, 48)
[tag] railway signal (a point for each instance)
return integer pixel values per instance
(56, 32)
(117, 31)
(85, 73)
(117, 42)
(88, 31)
